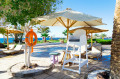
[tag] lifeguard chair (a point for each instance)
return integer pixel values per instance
(78, 38)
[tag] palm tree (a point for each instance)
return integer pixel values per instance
(115, 48)
(96, 35)
(2, 31)
(103, 36)
(65, 32)
(44, 31)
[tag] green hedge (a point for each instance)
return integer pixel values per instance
(101, 41)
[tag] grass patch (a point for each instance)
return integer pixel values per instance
(54, 41)
(51, 41)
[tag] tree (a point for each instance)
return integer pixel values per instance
(103, 36)
(22, 11)
(2, 31)
(115, 47)
(96, 35)
(44, 31)
(20, 35)
(65, 32)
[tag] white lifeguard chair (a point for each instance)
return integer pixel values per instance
(78, 38)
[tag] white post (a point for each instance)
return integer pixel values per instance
(25, 52)
(29, 53)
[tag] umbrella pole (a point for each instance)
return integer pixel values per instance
(68, 55)
(7, 41)
(67, 32)
(91, 41)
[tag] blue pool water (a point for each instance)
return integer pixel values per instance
(11, 40)
(44, 52)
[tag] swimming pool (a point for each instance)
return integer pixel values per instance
(44, 52)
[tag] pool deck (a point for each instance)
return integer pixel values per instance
(57, 72)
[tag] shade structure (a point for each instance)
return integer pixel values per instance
(69, 18)
(11, 30)
(89, 30)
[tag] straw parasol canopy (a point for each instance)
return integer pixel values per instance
(69, 18)
(89, 30)
(11, 30)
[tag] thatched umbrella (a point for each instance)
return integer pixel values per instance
(11, 30)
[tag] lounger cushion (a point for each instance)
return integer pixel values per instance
(10, 51)
(91, 53)
(11, 46)
(18, 47)
(15, 50)
(74, 40)
(54, 53)
(94, 52)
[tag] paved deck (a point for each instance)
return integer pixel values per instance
(57, 72)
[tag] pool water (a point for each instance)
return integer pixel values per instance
(44, 52)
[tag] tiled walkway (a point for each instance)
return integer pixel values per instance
(57, 72)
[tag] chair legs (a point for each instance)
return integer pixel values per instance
(53, 59)
(64, 61)
(87, 65)
(79, 69)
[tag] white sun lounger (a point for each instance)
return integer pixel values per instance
(95, 53)
(17, 49)
(11, 47)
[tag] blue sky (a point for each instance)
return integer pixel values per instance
(99, 8)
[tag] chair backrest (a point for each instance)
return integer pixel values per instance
(18, 47)
(11, 46)
(82, 43)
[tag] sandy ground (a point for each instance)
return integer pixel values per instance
(57, 72)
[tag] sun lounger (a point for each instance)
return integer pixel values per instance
(17, 49)
(95, 52)
(11, 47)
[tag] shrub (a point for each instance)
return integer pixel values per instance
(101, 41)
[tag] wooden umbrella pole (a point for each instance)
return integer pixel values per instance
(67, 27)
(67, 32)
(86, 35)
